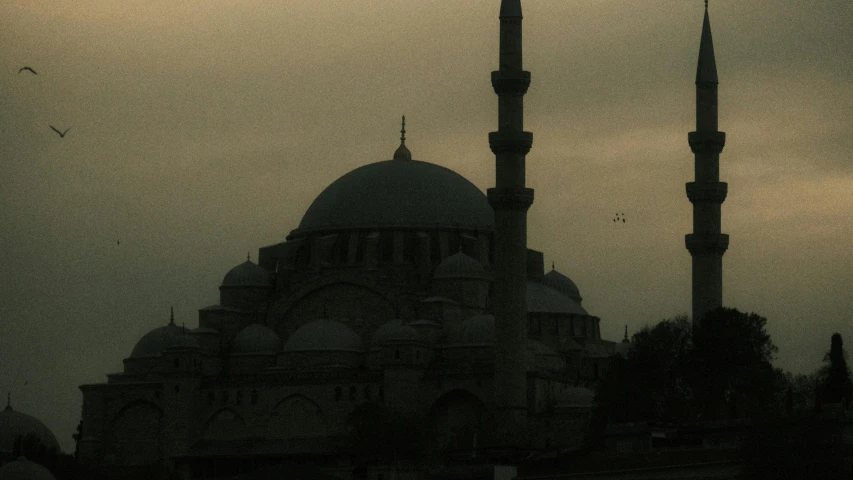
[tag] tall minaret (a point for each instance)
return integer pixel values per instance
(510, 200)
(706, 244)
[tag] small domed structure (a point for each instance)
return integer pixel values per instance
(16, 424)
(23, 469)
(323, 335)
(256, 339)
(247, 274)
(562, 284)
(460, 265)
(478, 330)
(152, 343)
(394, 332)
(575, 397)
(544, 299)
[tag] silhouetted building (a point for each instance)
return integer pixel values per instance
(706, 244)
(403, 284)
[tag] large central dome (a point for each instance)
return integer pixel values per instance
(399, 193)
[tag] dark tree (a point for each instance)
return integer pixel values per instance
(731, 371)
(837, 386)
(675, 372)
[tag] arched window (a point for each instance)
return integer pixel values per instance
(210, 398)
(396, 354)
(338, 393)
(177, 363)
(352, 393)
(239, 397)
(225, 396)
(367, 392)
(254, 397)
(177, 389)
(381, 393)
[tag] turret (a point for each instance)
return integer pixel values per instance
(706, 244)
(510, 200)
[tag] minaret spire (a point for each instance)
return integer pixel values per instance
(402, 152)
(707, 193)
(171, 315)
(510, 199)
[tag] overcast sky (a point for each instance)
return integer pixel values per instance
(203, 130)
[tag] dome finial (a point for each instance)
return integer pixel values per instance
(248, 256)
(625, 340)
(8, 401)
(552, 265)
(706, 4)
(402, 152)
(171, 315)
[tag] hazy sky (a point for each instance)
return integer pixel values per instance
(203, 130)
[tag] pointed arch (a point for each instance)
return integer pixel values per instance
(456, 417)
(296, 416)
(225, 424)
(135, 433)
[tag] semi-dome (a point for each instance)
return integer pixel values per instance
(23, 469)
(16, 424)
(323, 335)
(394, 331)
(152, 343)
(575, 397)
(544, 299)
(399, 193)
(459, 265)
(478, 330)
(247, 274)
(562, 284)
(256, 338)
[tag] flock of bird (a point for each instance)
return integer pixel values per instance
(618, 217)
(33, 72)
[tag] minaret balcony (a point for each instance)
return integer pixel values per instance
(510, 142)
(706, 142)
(510, 198)
(509, 82)
(707, 192)
(706, 243)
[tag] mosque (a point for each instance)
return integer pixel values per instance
(403, 286)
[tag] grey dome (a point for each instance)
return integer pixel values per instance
(15, 424)
(575, 397)
(478, 330)
(562, 284)
(256, 338)
(399, 193)
(247, 274)
(394, 331)
(544, 299)
(323, 335)
(23, 469)
(459, 265)
(152, 343)
(182, 340)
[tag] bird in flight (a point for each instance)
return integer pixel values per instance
(28, 69)
(61, 134)
(118, 242)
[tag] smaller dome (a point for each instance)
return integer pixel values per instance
(247, 274)
(152, 343)
(394, 332)
(182, 340)
(544, 299)
(460, 265)
(16, 424)
(23, 469)
(562, 284)
(256, 338)
(575, 397)
(478, 330)
(323, 335)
